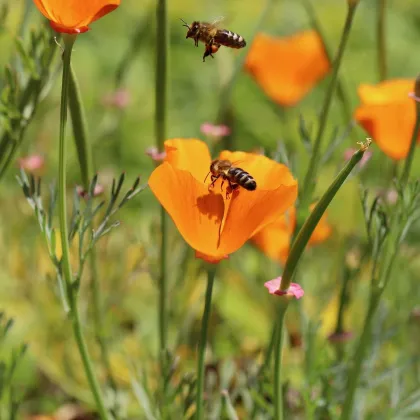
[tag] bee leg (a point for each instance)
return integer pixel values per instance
(213, 181)
(221, 187)
(196, 41)
(207, 52)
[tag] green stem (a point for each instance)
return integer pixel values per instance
(87, 364)
(84, 153)
(380, 34)
(309, 181)
(414, 138)
(62, 175)
(78, 118)
(311, 222)
(278, 392)
(199, 414)
(359, 357)
(65, 261)
(341, 89)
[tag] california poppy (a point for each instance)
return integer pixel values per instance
(287, 68)
(274, 239)
(212, 224)
(74, 16)
(388, 114)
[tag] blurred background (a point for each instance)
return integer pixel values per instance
(115, 66)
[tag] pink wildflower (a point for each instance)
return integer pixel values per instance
(294, 290)
(98, 190)
(119, 99)
(31, 163)
(215, 130)
(154, 153)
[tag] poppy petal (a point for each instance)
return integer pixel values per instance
(191, 155)
(390, 125)
(287, 68)
(196, 213)
(385, 92)
(74, 16)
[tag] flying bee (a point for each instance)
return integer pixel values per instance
(213, 36)
(234, 176)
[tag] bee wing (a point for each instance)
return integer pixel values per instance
(217, 21)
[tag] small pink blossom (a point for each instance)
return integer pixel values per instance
(98, 190)
(412, 95)
(31, 163)
(365, 158)
(340, 337)
(215, 130)
(154, 153)
(391, 196)
(119, 99)
(294, 290)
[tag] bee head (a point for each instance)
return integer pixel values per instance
(192, 29)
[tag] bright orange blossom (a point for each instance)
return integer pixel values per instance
(274, 239)
(211, 224)
(388, 115)
(74, 16)
(287, 68)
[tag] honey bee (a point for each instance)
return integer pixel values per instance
(213, 37)
(234, 176)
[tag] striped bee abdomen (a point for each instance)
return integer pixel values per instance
(242, 178)
(229, 39)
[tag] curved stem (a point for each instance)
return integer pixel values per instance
(309, 181)
(278, 392)
(65, 261)
(202, 346)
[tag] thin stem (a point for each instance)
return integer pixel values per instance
(65, 261)
(162, 31)
(84, 153)
(414, 138)
(62, 175)
(359, 357)
(278, 392)
(341, 89)
(380, 34)
(199, 414)
(311, 222)
(87, 364)
(309, 181)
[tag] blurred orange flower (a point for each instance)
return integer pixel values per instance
(388, 114)
(209, 222)
(274, 239)
(74, 16)
(287, 68)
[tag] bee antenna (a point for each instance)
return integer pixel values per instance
(185, 23)
(207, 176)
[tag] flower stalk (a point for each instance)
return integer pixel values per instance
(199, 413)
(71, 289)
(162, 33)
(309, 183)
(378, 285)
(278, 392)
(309, 226)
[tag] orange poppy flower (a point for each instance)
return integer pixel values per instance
(388, 115)
(287, 68)
(216, 226)
(74, 16)
(274, 239)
